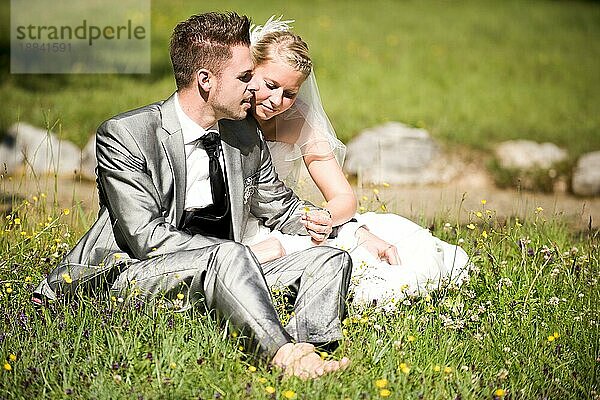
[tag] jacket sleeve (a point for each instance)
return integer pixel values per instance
(136, 209)
(276, 204)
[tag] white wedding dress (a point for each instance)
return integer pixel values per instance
(427, 263)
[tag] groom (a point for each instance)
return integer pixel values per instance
(177, 180)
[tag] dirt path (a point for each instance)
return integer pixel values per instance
(452, 201)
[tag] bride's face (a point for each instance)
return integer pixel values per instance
(278, 86)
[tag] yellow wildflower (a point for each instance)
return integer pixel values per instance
(499, 392)
(404, 368)
(429, 309)
(483, 201)
(551, 338)
(385, 184)
(66, 211)
(35, 198)
(362, 209)
(289, 394)
(383, 207)
(7, 367)
(384, 393)
(172, 365)
(12, 357)
(539, 210)
(252, 368)
(410, 338)
(180, 296)
(262, 380)
(437, 368)
(381, 383)
(9, 290)
(376, 191)
(471, 226)
(364, 198)
(479, 214)
(556, 335)
(117, 256)
(17, 221)
(323, 355)
(447, 370)
(270, 389)
(67, 278)
(484, 234)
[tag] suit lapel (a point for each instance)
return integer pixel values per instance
(172, 141)
(235, 177)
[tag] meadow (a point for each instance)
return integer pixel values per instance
(526, 324)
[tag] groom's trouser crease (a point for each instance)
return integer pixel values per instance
(228, 278)
(314, 274)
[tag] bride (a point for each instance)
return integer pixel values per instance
(392, 256)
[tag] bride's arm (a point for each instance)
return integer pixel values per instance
(330, 179)
(341, 203)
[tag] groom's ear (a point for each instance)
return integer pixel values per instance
(205, 79)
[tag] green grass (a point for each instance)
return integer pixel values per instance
(532, 278)
(472, 72)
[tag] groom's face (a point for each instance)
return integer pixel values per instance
(235, 86)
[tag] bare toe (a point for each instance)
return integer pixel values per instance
(344, 362)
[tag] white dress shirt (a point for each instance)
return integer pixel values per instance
(198, 193)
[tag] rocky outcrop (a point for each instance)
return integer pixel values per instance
(586, 176)
(26, 147)
(526, 154)
(398, 154)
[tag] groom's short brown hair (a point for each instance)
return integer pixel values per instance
(205, 41)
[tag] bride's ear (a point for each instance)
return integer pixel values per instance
(204, 79)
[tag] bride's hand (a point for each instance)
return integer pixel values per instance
(378, 247)
(268, 250)
(318, 223)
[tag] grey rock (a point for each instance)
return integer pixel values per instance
(398, 154)
(526, 154)
(39, 151)
(586, 177)
(88, 159)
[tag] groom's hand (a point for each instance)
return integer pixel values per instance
(268, 250)
(318, 223)
(378, 247)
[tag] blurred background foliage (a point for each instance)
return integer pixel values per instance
(471, 72)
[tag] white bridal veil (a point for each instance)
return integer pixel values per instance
(307, 119)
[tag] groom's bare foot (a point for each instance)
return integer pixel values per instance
(301, 360)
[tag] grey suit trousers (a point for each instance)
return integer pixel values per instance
(228, 279)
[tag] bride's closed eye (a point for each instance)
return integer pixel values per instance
(286, 93)
(271, 86)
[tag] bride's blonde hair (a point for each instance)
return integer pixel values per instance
(283, 46)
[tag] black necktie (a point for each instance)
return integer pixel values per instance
(212, 144)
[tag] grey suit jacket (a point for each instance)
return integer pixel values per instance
(141, 183)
